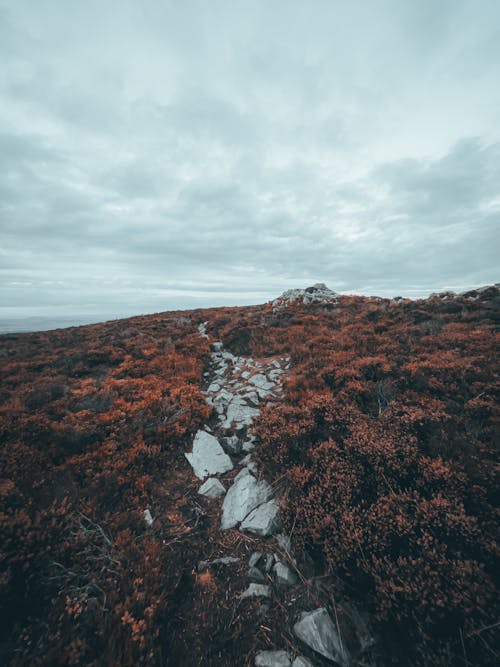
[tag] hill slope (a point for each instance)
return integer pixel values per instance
(380, 449)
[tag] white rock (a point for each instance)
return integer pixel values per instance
(217, 346)
(239, 412)
(244, 495)
(317, 630)
(147, 517)
(208, 457)
(212, 488)
(272, 659)
(256, 590)
(245, 375)
(213, 388)
(263, 521)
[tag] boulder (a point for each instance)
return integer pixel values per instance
(262, 521)
(212, 488)
(317, 630)
(208, 457)
(256, 591)
(272, 659)
(244, 495)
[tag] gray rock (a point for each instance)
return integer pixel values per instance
(208, 457)
(147, 517)
(217, 346)
(244, 495)
(272, 659)
(213, 388)
(226, 560)
(317, 630)
(261, 382)
(256, 591)
(256, 575)
(262, 521)
(212, 488)
(239, 412)
(284, 575)
(245, 375)
(254, 559)
(300, 661)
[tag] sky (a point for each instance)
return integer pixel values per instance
(158, 155)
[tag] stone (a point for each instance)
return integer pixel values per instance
(284, 575)
(212, 488)
(245, 495)
(213, 388)
(245, 375)
(239, 412)
(272, 659)
(217, 346)
(261, 382)
(256, 591)
(256, 575)
(317, 630)
(255, 558)
(300, 661)
(226, 560)
(147, 517)
(208, 457)
(262, 521)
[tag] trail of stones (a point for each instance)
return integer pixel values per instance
(236, 389)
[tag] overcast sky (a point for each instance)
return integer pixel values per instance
(158, 155)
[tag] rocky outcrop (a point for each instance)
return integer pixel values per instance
(318, 293)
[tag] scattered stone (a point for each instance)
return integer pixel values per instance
(256, 575)
(317, 630)
(208, 457)
(284, 574)
(217, 346)
(245, 375)
(255, 591)
(213, 388)
(226, 560)
(147, 517)
(272, 659)
(239, 412)
(262, 521)
(245, 495)
(212, 488)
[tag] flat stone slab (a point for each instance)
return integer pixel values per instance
(212, 488)
(262, 521)
(317, 630)
(272, 659)
(256, 591)
(208, 457)
(243, 496)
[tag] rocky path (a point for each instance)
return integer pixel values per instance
(236, 388)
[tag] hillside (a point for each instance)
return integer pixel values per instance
(370, 425)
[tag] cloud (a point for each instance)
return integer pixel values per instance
(172, 154)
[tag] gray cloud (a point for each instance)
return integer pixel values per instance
(165, 154)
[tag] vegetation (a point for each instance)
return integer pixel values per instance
(383, 446)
